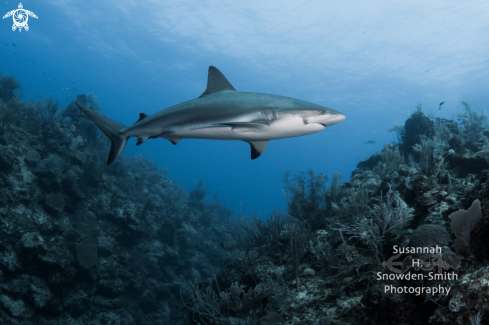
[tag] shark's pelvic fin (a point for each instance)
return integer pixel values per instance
(110, 128)
(173, 140)
(216, 82)
(257, 148)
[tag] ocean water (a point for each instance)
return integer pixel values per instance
(373, 61)
(81, 243)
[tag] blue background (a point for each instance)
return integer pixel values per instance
(373, 61)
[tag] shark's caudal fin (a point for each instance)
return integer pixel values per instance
(110, 128)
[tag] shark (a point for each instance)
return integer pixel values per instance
(221, 113)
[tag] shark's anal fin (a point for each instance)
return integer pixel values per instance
(140, 141)
(216, 82)
(257, 148)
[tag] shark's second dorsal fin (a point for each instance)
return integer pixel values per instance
(216, 82)
(142, 116)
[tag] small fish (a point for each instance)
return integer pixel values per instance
(65, 88)
(44, 73)
(72, 82)
(54, 78)
(369, 142)
(15, 53)
(74, 88)
(14, 44)
(440, 105)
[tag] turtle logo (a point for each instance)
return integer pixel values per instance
(20, 17)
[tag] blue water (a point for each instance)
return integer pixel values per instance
(372, 61)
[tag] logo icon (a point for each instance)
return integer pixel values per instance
(20, 17)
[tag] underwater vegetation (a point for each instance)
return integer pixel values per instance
(319, 263)
(86, 243)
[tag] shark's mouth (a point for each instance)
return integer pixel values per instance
(333, 120)
(325, 120)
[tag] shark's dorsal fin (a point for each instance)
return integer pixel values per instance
(216, 82)
(257, 148)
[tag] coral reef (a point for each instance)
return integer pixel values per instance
(86, 243)
(330, 260)
(83, 243)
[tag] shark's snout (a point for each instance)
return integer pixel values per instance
(337, 119)
(327, 119)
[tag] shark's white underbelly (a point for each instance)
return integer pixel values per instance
(279, 129)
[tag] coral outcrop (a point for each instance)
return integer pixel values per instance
(83, 243)
(333, 260)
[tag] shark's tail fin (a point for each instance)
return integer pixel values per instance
(110, 128)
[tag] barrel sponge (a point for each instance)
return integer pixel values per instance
(462, 224)
(87, 248)
(429, 236)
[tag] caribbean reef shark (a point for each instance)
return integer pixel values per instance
(221, 113)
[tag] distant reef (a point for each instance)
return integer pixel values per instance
(86, 243)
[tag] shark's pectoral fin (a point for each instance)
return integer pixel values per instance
(257, 148)
(243, 127)
(216, 82)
